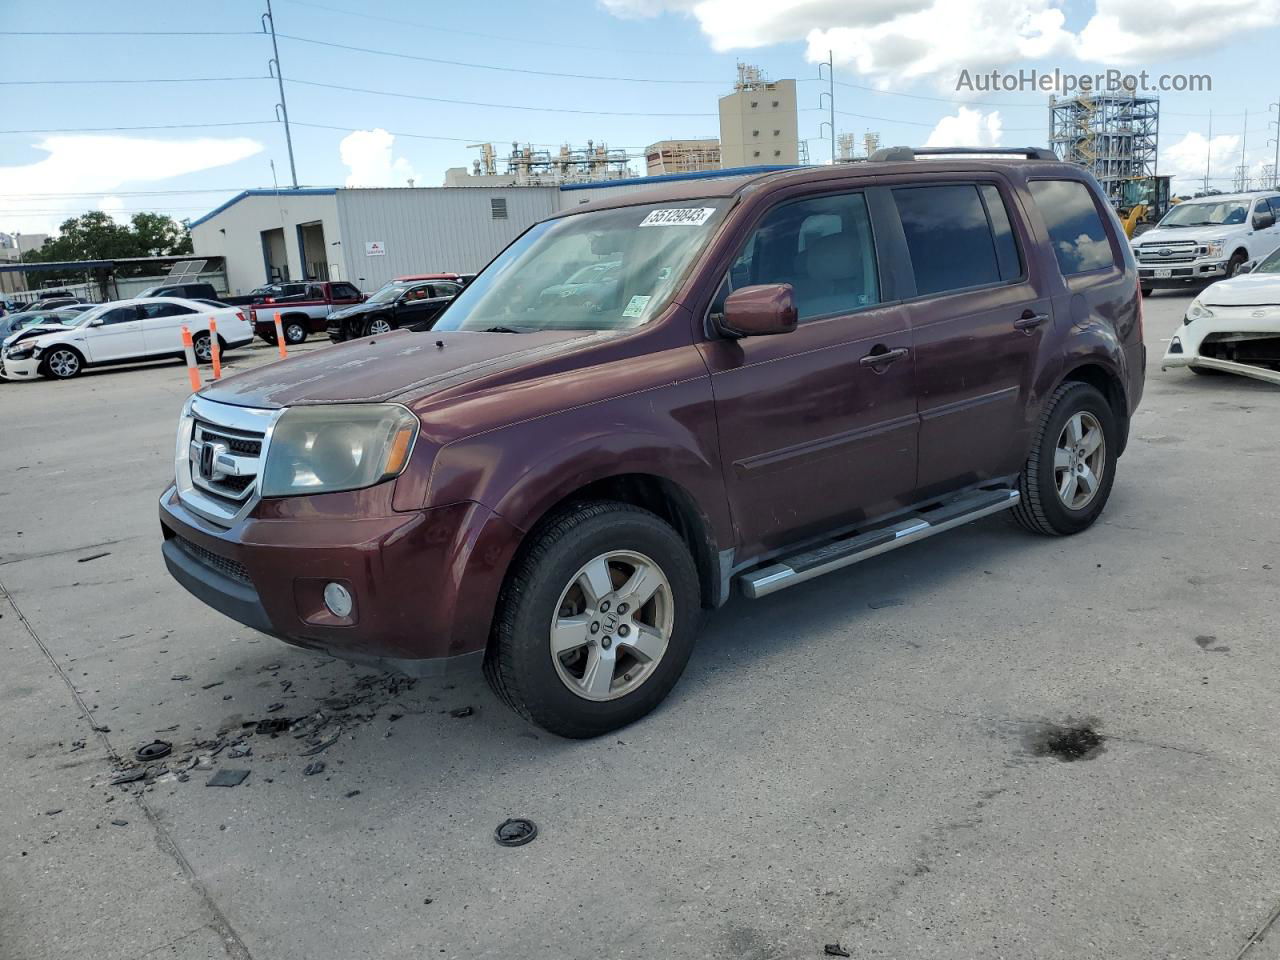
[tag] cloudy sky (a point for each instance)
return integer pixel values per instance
(182, 119)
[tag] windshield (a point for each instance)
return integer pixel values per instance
(1206, 213)
(388, 293)
(604, 270)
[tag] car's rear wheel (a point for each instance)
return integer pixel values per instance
(596, 621)
(376, 326)
(294, 331)
(1068, 475)
(203, 348)
(63, 363)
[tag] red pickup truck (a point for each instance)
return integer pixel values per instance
(304, 313)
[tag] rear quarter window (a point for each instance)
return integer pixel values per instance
(1076, 232)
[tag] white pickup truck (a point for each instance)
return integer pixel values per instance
(1207, 239)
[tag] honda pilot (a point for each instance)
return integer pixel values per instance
(786, 374)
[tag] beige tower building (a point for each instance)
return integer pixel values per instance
(759, 122)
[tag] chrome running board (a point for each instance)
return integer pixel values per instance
(799, 567)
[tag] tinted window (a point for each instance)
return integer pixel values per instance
(345, 291)
(154, 311)
(948, 236)
(120, 315)
(1275, 207)
(1006, 246)
(445, 289)
(822, 247)
(1075, 229)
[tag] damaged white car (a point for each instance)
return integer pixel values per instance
(1233, 326)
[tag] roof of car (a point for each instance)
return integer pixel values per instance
(424, 276)
(1218, 197)
(731, 184)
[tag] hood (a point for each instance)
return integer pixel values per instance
(1250, 289)
(403, 364)
(1194, 234)
(38, 330)
(358, 308)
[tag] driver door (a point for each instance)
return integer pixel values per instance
(416, 306)
(116, 335)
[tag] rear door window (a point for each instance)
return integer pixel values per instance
(823, 247)
(952, 242)
(1075, 229)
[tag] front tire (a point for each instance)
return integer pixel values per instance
(1068, 475)
(596, 621)
(377, 326)
(63, 363)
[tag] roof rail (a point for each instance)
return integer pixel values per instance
(910, 153)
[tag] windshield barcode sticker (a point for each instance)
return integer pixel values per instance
(678, 217)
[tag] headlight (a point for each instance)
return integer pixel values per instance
(1196, 311)
(342, 447)
(1215, 247)
(20, 353)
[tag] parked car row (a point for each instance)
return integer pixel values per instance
(124, 331)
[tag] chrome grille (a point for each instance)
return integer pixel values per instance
(1170, 252)
(221, 450)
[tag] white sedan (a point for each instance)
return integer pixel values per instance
(126, 331)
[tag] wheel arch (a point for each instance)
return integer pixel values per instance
(1108, 383)
(659, 495)
(44, 361)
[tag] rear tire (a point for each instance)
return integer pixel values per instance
(295, 332)
(568, 651)
(202, 346)
(1069, 472)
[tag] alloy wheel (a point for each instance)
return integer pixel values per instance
(203, 350)
(64, 364)
(1079, 460)
(379, 326)
(612, 625)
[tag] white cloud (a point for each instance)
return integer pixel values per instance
(115, 207)
(968, 128)
(1185, 162)
(93, 164)
(890, 41)
(368, 154)
(1126, 32)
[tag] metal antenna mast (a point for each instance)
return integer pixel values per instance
(830, 94)
(282, 108)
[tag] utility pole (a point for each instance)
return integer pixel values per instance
(1244, 166)
(830, 94)
(282, 108)
(1208, 152)
(1275, 170)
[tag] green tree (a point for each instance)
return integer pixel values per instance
(96, 236)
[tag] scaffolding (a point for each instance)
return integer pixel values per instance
(538, 168)
(1114, 135)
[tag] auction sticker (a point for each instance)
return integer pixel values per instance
(636, 306)
(678, 217)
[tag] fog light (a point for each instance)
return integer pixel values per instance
(338, 599)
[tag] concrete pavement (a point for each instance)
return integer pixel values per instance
(853, 761)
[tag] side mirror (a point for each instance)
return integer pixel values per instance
(1261, 221)
(1247, 267)
(760, 311)
(96, 323)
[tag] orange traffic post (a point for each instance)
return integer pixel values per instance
(189, 349)
(280, 337)
(215, 352)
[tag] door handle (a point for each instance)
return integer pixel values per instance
(881, 356)
(1029, 321)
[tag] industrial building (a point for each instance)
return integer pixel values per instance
(1115, 136)
(682, 156)
(369, 236)
(759, 121)
(526, 167)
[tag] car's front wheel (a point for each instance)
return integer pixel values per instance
(596, 621)
(376, 326)
(1068, 475)
(63, 363)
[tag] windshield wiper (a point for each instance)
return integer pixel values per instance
(502, 330)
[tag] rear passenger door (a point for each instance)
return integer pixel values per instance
(980, 315)
(162, 327)
(817, 426)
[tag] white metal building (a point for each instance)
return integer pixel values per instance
(368, 236)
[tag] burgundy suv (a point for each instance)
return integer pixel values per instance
(793, 371)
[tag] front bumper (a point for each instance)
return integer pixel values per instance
(425, 582)
(1199, 271)
(1213, 342)
(28, 369)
